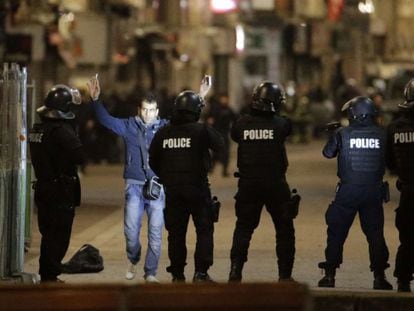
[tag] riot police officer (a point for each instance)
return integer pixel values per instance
(400, 154)
(262, 164)
(360, 149)
(179, 155)
(55, 152)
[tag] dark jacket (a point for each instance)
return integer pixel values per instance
(55, 153)
(179, 153)
(261, 153)
(400, 148)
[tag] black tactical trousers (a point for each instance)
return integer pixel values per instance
(404, 221)
(55, 226)
(350, 200)
(250, 199)
(181, 202)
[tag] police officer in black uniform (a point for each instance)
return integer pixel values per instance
(400, 155)
(179, 155)
(55, 152)
(262, 164)
(360, 149)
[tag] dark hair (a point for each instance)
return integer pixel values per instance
(148, 97)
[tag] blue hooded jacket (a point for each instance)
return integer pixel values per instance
(135, 133)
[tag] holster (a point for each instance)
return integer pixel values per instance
(215, 208)
(291, 207)
(152, 189)
(385, 187)
(60, 192)
(66, 186)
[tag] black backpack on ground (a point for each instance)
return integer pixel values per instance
(86, 260)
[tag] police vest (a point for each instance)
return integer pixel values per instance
(362, 156)
(403, 147)
(261, 151)
(184, 154)
(49, 160)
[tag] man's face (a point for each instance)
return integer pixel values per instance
(148, 112)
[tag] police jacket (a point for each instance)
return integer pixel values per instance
(360, 148)
(179, 152)
(261, 153)
(136, 134)
(55, 153)
(400, 148)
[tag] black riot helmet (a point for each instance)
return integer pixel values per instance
(360, 108)
(58, 101)
(268, 97)
(189, 101)
(408, 104)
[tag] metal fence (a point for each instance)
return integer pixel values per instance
(13, 171)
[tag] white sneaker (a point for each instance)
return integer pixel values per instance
(151, 279)
(131, 271)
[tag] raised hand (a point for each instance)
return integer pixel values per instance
(205, 86)
(94, 88)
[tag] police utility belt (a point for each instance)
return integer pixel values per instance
(62, 180)
(385, 190)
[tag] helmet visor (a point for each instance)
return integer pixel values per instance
(346, 105)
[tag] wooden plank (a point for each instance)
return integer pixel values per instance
(270, 296)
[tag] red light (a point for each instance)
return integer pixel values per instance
(223, 6)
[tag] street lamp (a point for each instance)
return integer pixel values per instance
(366, 7)
(223, 6)
(240, 38)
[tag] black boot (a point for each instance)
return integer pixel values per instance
(177, 274)
(200, 277)
(235, 274)
(404, 286)
(380, 282)
(285, 276)
(329, 279)
(178, 278)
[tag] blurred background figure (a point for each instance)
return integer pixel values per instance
(298, 111)
(321, 109)
(166, 104)
(345, 92)
(220, 116)
(377, 98)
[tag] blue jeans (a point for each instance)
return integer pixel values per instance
(135, 205)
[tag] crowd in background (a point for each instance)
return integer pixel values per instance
(308, 107)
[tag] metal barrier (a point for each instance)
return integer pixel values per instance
(13, 169)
